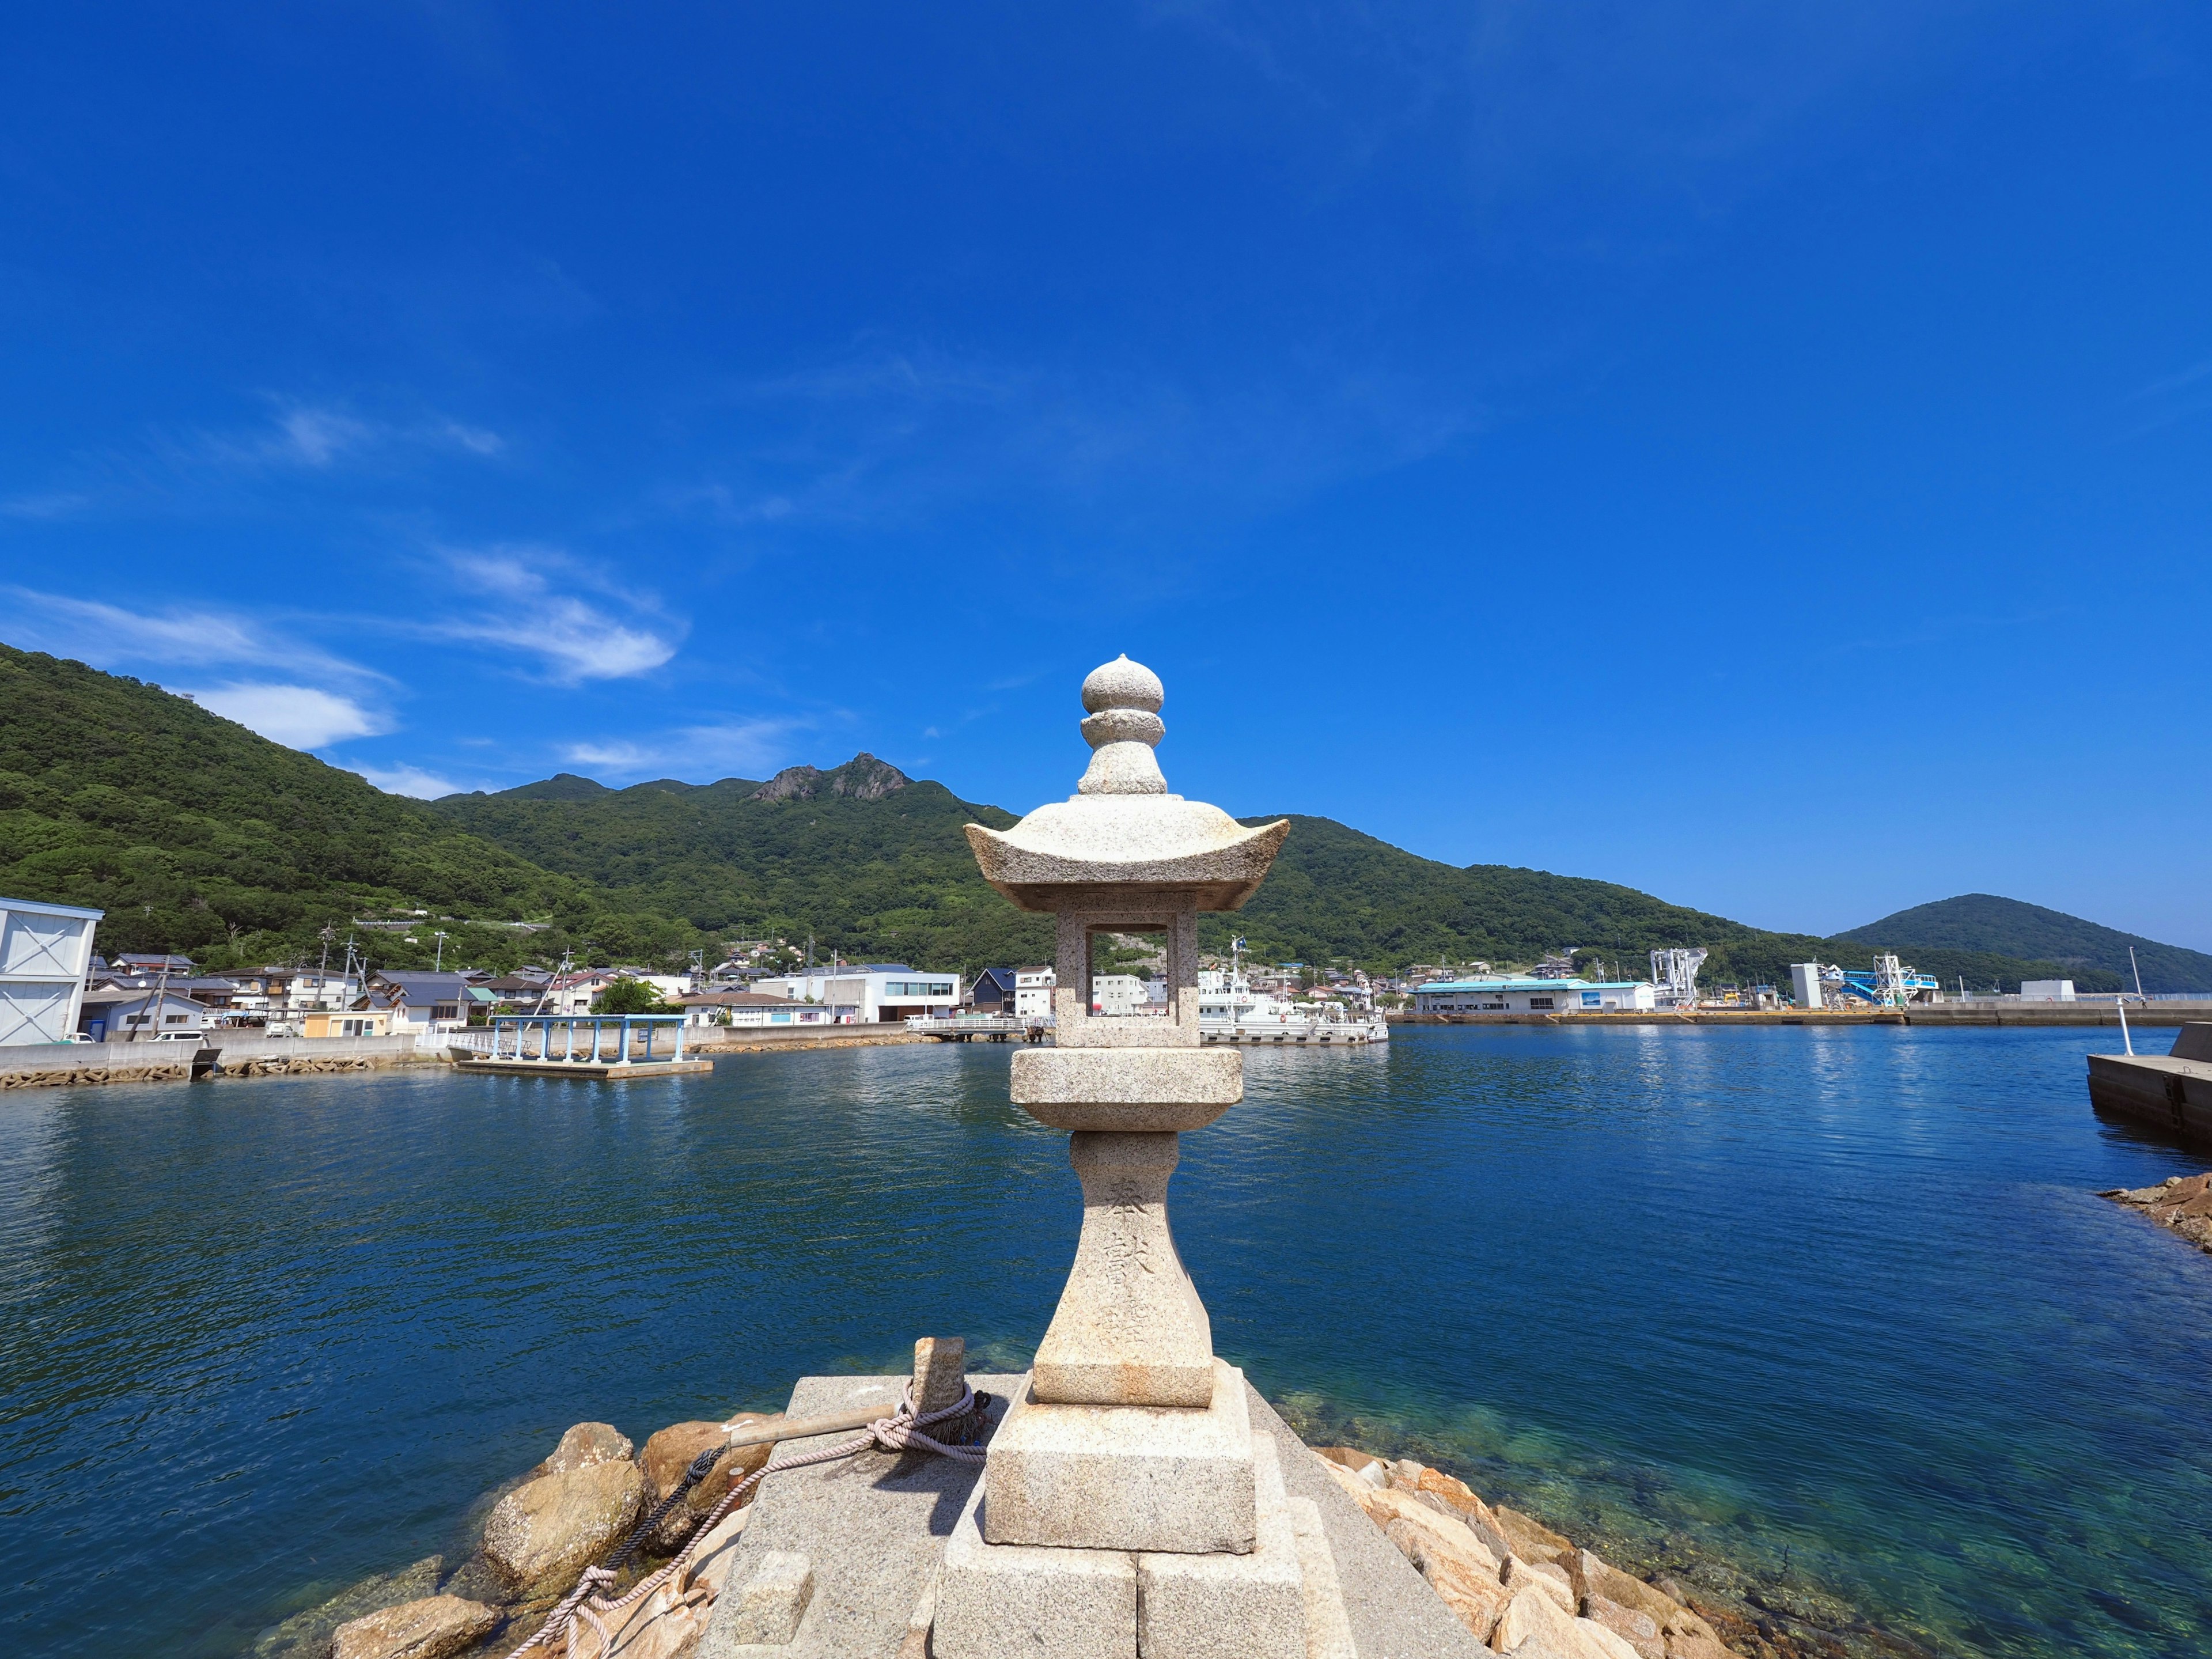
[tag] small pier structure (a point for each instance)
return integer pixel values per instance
(2171, 1091)
(579, 1045)
(979, 1028)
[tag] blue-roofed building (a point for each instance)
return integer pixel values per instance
(1534, 996)
(993, 992)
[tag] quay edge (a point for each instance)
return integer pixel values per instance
(2160, 1014)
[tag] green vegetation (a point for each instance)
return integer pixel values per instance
(1338, 895)
(196, 835)
(628, 996)
(2003, 927)
(871, 864)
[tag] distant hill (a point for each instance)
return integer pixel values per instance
(197, 835)
(1985, 922)
(1335, 892)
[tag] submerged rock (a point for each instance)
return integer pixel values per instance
(307, 1635)
(2182, 1203)
(435, 1627)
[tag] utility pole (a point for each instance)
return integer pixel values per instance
(438, 966)
(160, 1002)
(2137, 968)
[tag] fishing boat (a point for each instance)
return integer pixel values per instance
(1230, 1011)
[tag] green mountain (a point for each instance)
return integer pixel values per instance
(1983, 921)
(869, 861)
(195, 833)
(1334, 892)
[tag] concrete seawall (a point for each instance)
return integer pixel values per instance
(760, 1039)
(232, 1054)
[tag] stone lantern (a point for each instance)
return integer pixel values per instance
(1127, 1505)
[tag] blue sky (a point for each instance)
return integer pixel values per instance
(1756, 452)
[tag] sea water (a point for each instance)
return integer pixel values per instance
(1836, 1308)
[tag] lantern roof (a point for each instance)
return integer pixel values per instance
(1122, 836)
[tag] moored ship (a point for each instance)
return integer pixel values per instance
(1230, 1011)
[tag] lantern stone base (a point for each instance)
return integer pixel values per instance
(1124, 1477)
(1000, 1600)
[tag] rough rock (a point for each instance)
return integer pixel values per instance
(1531, 1539)
(1441, 1547)
(433, 1628)
(584, 1445)
(668, 1623)
(1551, 1579)
(307, 1635)
(1531, 1616)
(1681, 1645)
(1639, 1629)
(545, 1531)
(1459, 1576)
(2180, 1203)
(1595, 1577)
(670, 1452)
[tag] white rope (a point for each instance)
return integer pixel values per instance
(899, 1432)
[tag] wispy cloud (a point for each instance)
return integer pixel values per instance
(321, 436)
(535, 610)
(190, 637)
(892, 433)
(747, 747)
(2170, 399)
(53, 504)
(297, 716)
(195, 468)
(409, 780)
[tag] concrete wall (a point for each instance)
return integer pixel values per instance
(239, 1054)
(36, 1065)
(248, 1053)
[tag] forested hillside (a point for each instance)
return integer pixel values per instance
(194, 834)
(1335, 892)
(872, 864)
(1983, 921)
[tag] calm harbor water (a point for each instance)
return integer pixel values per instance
(1836, 1307)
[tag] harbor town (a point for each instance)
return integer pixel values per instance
(1163, 831)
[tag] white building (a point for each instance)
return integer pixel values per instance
(877, 992)
(1033, 991)
(1119, 994)
(753, 1008)
(142, 1013)
(44, 950)
(1533, 996)
(1805, 984)
(2046, 990)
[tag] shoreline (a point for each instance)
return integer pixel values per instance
(523, 1540)
(2165, 1014)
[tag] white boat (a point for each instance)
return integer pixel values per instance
(1230, 1011)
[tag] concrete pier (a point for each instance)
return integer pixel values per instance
(2171, 1091)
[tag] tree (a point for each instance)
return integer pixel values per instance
(628, 996)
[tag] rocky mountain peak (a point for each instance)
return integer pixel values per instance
(861, 778)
